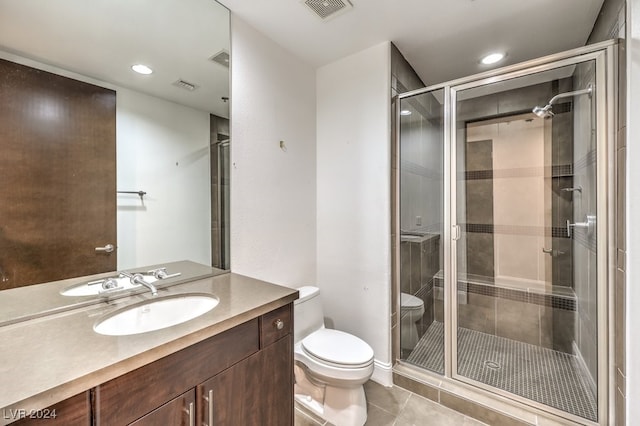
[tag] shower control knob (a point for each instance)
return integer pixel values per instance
(279, 324)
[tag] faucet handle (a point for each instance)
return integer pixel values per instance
(161, 273)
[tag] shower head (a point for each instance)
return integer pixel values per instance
(545, 111)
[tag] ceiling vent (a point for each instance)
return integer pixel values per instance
(185, 85)
(327, 9)
(222, 58)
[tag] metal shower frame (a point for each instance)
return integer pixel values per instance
(605, 56)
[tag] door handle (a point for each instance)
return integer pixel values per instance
(456, 232)
(106, 249)
(548, 251)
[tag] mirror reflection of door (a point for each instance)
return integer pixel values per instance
(58, 162)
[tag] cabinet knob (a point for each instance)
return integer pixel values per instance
(279, 324)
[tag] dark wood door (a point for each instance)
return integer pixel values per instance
(255, 392)
(58, 176)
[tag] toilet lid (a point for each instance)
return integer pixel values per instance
(337, 347)
(409, 301)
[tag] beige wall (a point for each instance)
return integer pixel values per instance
(518, 199)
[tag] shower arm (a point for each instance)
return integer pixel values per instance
(588, 90)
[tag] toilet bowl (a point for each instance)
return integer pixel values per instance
(411, 311)
(331, 366)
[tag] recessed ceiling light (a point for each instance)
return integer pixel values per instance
(492, 58)
(405, 112)
(141, 69)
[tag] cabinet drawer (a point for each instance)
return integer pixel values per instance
(276, 324)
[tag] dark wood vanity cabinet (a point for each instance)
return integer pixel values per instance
(243, 376)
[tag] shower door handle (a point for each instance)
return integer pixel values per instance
(456, 232)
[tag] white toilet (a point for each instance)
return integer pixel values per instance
(331, 366)
(411, 310)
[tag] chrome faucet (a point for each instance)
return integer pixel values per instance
(139, 279)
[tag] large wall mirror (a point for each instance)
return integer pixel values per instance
(149, 181)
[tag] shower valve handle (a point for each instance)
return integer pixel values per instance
(552, 252)
(589, 224)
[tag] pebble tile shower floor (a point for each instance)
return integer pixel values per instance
(549, 377)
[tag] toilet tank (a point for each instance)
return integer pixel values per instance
(307, 312)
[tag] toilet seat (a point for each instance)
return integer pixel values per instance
(337, 348)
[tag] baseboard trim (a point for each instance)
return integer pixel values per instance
(382, 373)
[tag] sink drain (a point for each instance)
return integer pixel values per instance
(492, 364)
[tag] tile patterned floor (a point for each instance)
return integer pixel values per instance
(396, 407)
(544, 375)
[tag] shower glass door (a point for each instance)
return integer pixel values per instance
(526, 254)
(421, 217)
(504, 224)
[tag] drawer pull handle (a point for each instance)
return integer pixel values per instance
(279, 324)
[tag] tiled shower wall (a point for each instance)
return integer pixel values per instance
(542, 320)
(476, 198)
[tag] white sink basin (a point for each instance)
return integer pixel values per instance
(155, 314)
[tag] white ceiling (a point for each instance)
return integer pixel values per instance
(442, 39)
(101, 39)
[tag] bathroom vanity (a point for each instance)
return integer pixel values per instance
(230, 366)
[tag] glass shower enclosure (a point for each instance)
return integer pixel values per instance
(503, 225)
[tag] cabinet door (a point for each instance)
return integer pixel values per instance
(275, 377)
(256, 391)
(180, 411)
